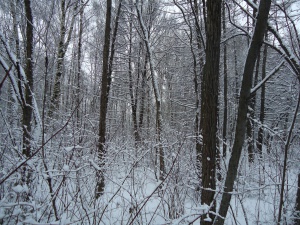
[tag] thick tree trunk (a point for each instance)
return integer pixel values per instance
(209, 106)
(104, 100)
(256, 42)
(113, 43)
(108, 57)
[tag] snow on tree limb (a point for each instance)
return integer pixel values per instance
(275, 70)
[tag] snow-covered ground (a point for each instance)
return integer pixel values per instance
(133, 193)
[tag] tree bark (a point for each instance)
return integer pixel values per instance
(262, 102)
(197, 80)
(209, 106)
(255, 45)
(251, 113)
(132, 96)
(225, 75)
(104, 100)
(62, 49)
(79, 55)
(17, 46)
(27, 108)
(143, 90)
(108, 56)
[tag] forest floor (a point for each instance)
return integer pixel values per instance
(134, 195)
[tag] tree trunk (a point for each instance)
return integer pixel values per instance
(297, 205)
(144, 92)
(225, 75)
(284, 169)
(209, 106)
(256, 42)
(27, 108)
(104, 100)
(132, 96)
(156, 94)
(197, 75)
(236, 93)
(17, 46)
(105, 87)
(262, 103)
(62, 49)
(197, 82)
(251, 113)
(79, 55)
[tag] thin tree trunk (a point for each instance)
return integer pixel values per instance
(255, 45)
(286, 148)
(225, 75)
(236, 93)
(262, 103)
(49, 178)
(251, 113)
(156, 94)
(144, 92)
(27, 108)
(197, 77)
(297, 205)
(62, 49)
(60, 60)
(209, 106)
(18, 55)
(133, 99)
(197, 80)
(78, 86)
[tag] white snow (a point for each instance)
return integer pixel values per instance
(66, 168)
(254, 89)
(18, 189)
(68, 149)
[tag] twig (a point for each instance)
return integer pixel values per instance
(25, 161)
(158, 186)
(6, 75)
(286, 148)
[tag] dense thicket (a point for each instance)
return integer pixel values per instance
(135, 112)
